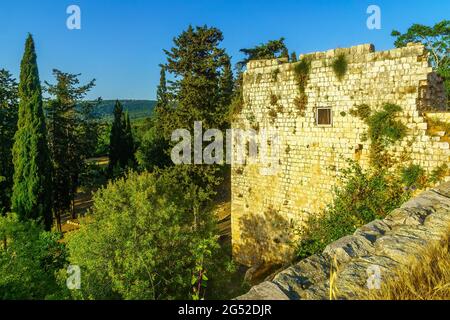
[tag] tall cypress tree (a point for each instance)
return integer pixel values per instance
(161, 93)
(121, 147)
(31, 198)
(129, 158)
(153, 150)
(116, 136)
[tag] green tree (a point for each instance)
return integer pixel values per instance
(129, 141)
(197, 61)
(29, 260)
(67, 137)
(227, 86)
(8, 126)
(153, 151)
(270, 50)
(121, 146)
(142, 241)
(162, 95)
(200, 91)
(293, 56)
(436, 40)
(31, 198)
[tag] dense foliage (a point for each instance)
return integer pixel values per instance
(29, 260)
(121, 146)
(270, 50)
(8, 126)
(383, 130)
(363, 196)
(31, 198)
(142, 240)
(72, 134)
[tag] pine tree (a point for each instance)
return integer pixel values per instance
(8, 127)
(31, 198)
(269, 50)
(200, 92)
(66, 138)
(198, 63)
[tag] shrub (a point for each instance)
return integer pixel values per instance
(300, 104)
(413, 176)
(363, 195)
(29, 260)
(340, 66)
(384, 130)
(301, 71)
(439, 173)
(384, 127)
(145, 239)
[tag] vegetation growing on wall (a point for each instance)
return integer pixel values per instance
(383, 130)
(275, 74)
(301, 72)
(436, 126)
(273, 99)
(363, 196)
(340, 66)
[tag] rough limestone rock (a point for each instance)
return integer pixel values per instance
(383, 244)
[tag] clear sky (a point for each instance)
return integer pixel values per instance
(120, 42)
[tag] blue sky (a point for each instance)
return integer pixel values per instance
(120, 42)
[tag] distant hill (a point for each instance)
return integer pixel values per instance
(136, 108)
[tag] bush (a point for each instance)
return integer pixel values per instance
(383, 126)
(301, 71)
(152, 151)
(29, 260)
(340, 66)
(413, 176)
(148, 237)
(363, 196)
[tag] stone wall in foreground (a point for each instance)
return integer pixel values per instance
(311, 156)
(385, 244)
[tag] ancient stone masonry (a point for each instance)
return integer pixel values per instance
(385, 244)
(311, 154)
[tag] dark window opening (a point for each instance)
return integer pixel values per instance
(323, 117)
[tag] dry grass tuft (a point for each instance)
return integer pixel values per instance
(425, 278)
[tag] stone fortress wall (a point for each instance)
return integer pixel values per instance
(311, 156)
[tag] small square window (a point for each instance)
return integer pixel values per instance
(323, 116)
